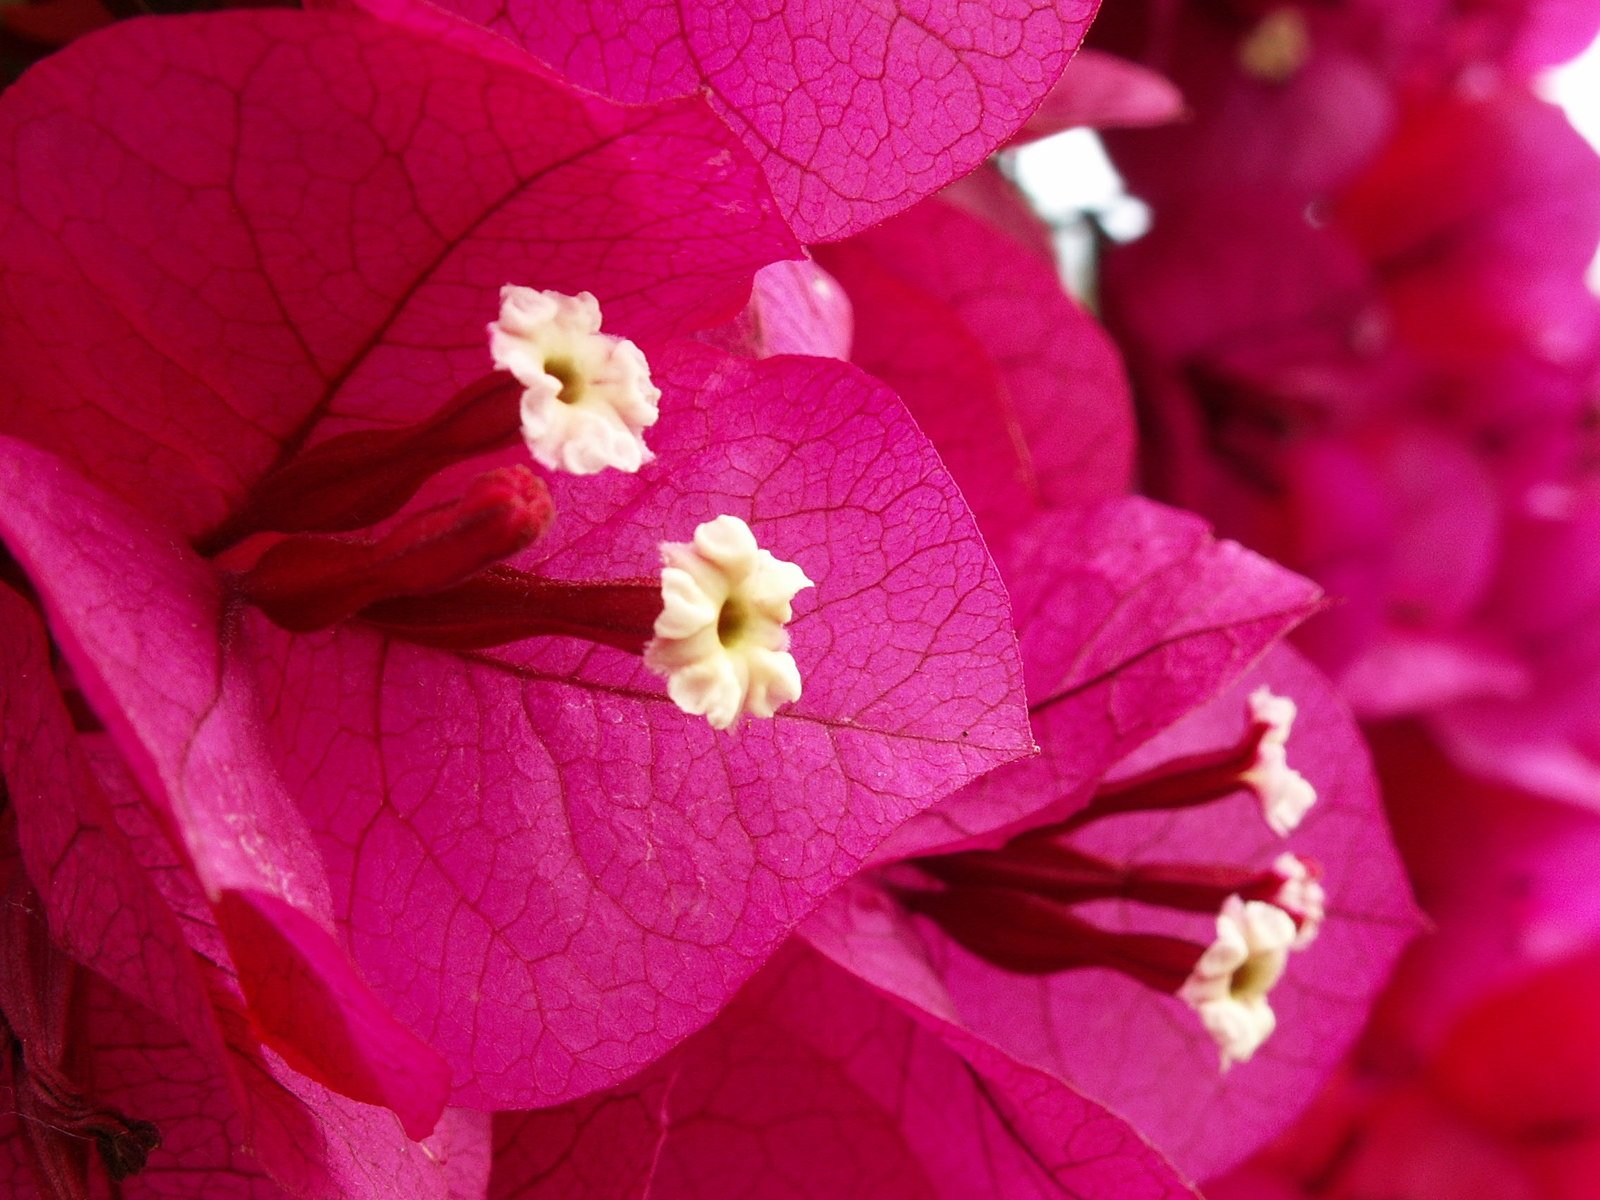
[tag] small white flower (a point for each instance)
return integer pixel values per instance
(1228, 987)
(1301, 895)
(588, 396)
(1285, 794)
(1276, 713)
(720, 640)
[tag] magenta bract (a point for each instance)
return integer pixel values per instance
(620, 869)
(1141, 1053)
(1485, 1041)
(1283, 96)
(1522, 37)
(795, 308)
(1506, 876)
(542, 868)
(1468, 1110)
(854, 111)
(1505, 196)
(1544, 733)
(1394, 403)
(316, 263)
(1102, 91)
(144, 624)
(811, 1084)
(124, 902)
(1018, 387)
(1130, 615)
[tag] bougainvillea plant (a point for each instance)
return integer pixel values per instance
(577, 618)
(854, 111)
(1397, 397)
(1049, 885)
(1123, 914)
(395, 699)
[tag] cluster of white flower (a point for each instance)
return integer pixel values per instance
(720, 641)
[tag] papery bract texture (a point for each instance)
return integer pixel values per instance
(145, 626)
(145, 1070)
(813, 1084)
(94, 893)
(1142, 1056)
(1130, 614)
(855, 111)
(1019, 388)
(620, 869)
(1142, 1053)
(120, 899)
(142, 1066)
(313, 1142)
(539, 864)
(260, 255)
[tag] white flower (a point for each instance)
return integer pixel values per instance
(1285, 794)
(1301, 895)
(1229, 985)
(720, 640)
(1276, 713)
(588, 396)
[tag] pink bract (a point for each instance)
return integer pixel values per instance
(1505, 875)
(146, 629)
(1543, 735)
(1130, 614)
(1475, 1074)
(317, 263)
(795, 308)
(1394, 401)
(1498, 1108)
(1479, 218)
(144, 1067)
(814, 1084)
(855, 111)
(1018, 387)
(1142, 1054)
(621, 869)
(124, 902)
(1303, 127)
(1100, 91)
(1521, 37)
(537, 863)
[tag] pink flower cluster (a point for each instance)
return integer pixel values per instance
(575, 622)
(1365, 342)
